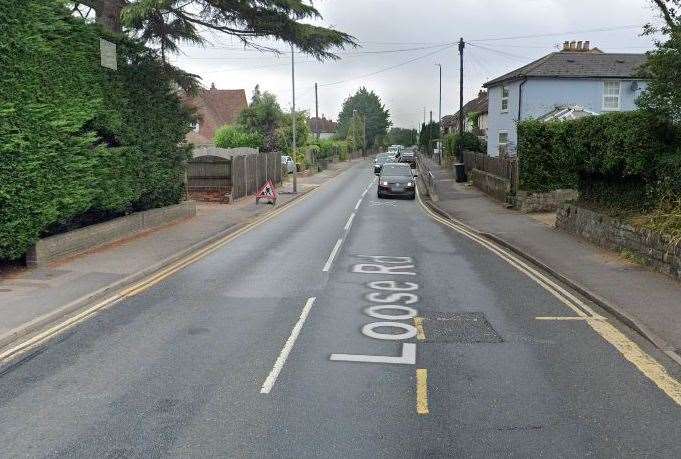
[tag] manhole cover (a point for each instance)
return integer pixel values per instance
(459, 327)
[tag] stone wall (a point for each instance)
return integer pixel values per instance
(544, 202)
(83, 239)
(655, 249)
(493, 185)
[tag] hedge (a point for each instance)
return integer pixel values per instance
(77, 141)
(618, 159)
(229, 136)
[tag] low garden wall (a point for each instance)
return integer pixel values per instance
(83, 239)
(654, 249)
(526, 201)
(493, 185)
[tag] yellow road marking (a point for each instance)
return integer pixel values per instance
(422, 391)
(420, 333)
(147, 283)
(569, 318)
(652, 369)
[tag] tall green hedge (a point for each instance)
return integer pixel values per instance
(77, 139)
(620, 159)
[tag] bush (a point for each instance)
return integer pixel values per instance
(470, 141)
(235, 136)
(614, 158)
(78, 140)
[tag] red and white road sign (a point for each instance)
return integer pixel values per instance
(267, 191)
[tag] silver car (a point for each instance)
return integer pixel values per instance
(287, 162)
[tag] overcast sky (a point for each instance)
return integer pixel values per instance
(393, 32)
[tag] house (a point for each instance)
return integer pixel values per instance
(577, 77)
(475, 117)
(327, 128)
(215, 108)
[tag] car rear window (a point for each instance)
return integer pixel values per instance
(396, 169)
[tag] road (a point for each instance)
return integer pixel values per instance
(277, 345)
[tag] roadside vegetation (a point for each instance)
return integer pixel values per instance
(627, 165)
(80, 143)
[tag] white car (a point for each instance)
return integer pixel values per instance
(287, 162)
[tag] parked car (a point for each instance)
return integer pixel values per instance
(397, 179)
(288, 164)
(380, 160)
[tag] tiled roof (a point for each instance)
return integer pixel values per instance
(324, 125)
(479, 104)
(565, 64)
(215, 108)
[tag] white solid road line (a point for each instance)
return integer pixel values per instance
(349, 222)
(359, 202)
(283, 355)
(329, 261)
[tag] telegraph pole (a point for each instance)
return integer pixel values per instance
(439, 113)
(462, 44)
(430, 132)
(316, 111)
(293, 120)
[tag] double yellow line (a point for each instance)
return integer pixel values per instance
(646, 364)
(139, 287)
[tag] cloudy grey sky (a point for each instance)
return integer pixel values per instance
(393, 32)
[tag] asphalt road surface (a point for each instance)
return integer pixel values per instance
(346, 326)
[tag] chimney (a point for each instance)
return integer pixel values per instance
(566, 45)
(579, 45)
(586, 45)
(212, 87)
(573, 45)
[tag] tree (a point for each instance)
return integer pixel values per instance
(429, 132)
(364, 104)
(153, 21)
(246, 20)
(264, 116)
(663, 94)
(235, 136)
(402, 136)
(285, 132)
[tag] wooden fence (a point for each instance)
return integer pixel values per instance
(250, 172)
(501, 166)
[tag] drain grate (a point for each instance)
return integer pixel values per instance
(459, 327)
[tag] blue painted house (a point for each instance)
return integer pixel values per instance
(586, 80)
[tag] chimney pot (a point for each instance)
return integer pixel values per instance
(566, 45)
(573, 45)
(579, 45)
(586, 45)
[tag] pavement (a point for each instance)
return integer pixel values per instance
(648, 301)
(38, 296)
(347, 326)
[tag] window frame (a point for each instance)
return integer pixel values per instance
(505, 98)
(619, 96)
(500, 143)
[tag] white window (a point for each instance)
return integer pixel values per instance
(504, 99)
(611, 95)
(503, 141)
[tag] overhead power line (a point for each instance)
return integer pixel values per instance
(385, 69)
(554, 34)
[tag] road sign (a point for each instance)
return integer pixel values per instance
(267, 191)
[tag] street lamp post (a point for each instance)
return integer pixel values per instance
(439, 113)
(293, 121)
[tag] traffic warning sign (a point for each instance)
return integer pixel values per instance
(267, 191)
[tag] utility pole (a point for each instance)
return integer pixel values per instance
(293, 121)
(316, 111)
(462, 44)
(364, 137)
(439, 113)
(430, 132)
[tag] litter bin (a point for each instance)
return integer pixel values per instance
(460, 172)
